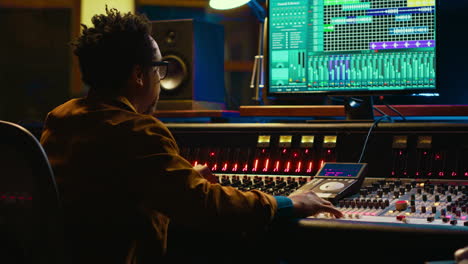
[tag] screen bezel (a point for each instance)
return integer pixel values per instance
(302, 94)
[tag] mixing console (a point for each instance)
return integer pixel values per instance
(415, 187)
(394, 201)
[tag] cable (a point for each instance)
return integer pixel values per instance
(392, 108)
(376, 122)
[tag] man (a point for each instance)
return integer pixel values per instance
(119, 169)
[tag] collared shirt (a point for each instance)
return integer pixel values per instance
(122, 179)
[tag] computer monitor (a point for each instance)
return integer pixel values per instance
(350, 47)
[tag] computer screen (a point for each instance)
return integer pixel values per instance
(349, 47)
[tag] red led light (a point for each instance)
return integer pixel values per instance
(295, 154)
(393, 173)
(288, 166)
(276, 166)
(441, 173)
(284, 151)
(321, 163)
(466, 173)
(225, 166)
(246, 167)
(263, 151)
(309, 166)
(215, 167)
(299, 166)
(235, 167)
(306, 151)
(401, 153)
(267, 163)
(195, 163)
(454, 173)
(255, 165)
(425, 153)
(417, 173)
(212, 154)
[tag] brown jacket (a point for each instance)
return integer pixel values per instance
(122, 180)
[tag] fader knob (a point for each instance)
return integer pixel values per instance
(402, 191)
(363, 192)
(380, 192)
(423, 209)
(386, 190)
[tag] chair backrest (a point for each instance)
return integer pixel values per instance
(31, 226)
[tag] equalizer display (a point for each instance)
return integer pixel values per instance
(351, 45)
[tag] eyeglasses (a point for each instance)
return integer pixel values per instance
(162, 67)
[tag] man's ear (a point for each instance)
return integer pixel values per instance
(137, 74)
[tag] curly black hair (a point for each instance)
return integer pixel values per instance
(108, 51)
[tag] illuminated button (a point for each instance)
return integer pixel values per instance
(400, 217)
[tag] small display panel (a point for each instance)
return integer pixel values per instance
(341, 169)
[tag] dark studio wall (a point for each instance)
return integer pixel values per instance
(35, 62)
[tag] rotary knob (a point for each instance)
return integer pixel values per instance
(401, 205)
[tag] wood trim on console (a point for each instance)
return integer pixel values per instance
(338, 110)
(196, 113)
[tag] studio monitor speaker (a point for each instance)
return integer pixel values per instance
(195, 52)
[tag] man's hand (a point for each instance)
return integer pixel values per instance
(206, 173)
(308, 203)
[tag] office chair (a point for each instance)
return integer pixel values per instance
(31, 229)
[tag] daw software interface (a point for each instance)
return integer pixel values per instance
(346, 46)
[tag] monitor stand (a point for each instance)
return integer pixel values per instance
(359, 108)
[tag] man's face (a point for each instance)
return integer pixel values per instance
(152, 82)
